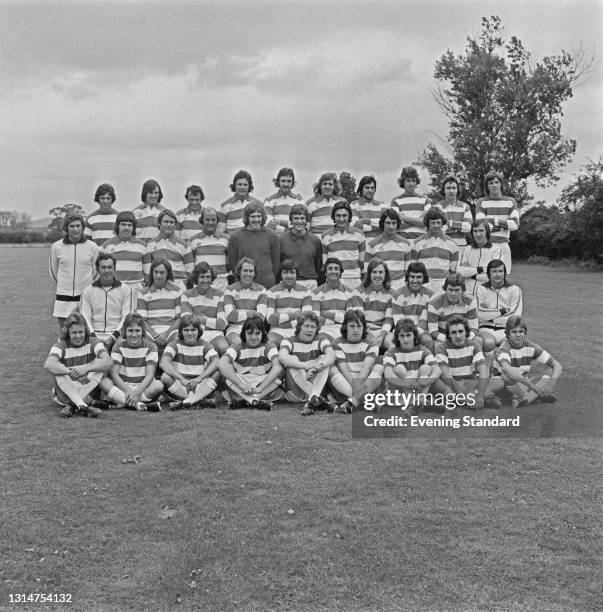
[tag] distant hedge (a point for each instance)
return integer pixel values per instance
(26, 236)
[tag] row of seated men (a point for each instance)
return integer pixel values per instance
(225, 326)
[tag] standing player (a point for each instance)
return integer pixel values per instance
(146, 214)
(410, 205)
(391, 248)
(231, 211)
(78, 364)
(458, 213)
(326, 194)
(346, 244)
(278, 206)
(99, 225)
(367, 209)
(501, 213)
(188, 218)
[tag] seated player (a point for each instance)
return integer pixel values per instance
(366, 209)
(231, 211)
(132, 384)
(438, 252)
(106, 302)
(464, 368)
(377, 301)
(251, 369)
(411, 302)
(128, 252)
(514, 358)
(211, 246)
(189, 223)
(190, 366)
(408, 366)
(346, 243)
(243, 299)
(452, 301)
(307, 358)
(391, 248)
(331, 300)
(207, 304)
(501, 213)
(167, 246)
(78, 364)
(356, 371)
(497, 300)
(476, 256)
(159, 304)
(278, 206)
(286, 302)
(99, 224)
(326, 194)
(410, 205)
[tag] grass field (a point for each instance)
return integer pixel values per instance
(252, 510)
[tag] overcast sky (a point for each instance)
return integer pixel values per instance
(191, 92)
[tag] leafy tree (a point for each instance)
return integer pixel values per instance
(58, 213)
(14, 220)
(584, 186)
(503, 112)
(348, 186)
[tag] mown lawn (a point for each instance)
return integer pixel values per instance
(253, 510)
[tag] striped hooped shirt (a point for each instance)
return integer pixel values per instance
(412, 206)
(319, 209)
(160, 307)
(503, 217)
(363, 209)
(209, 305)
(378, 309)
(128, 257)
(231, 212)
(459, 220)
(348, 246)
(100, 225)
(247, 360)
(306, 351)
(521, 357)
(212, 249)
(238, 301)
(278, 207)
(282, 302)
(72, 356)
(188, 223)
(411, 360)
(331, 304)
(354, 353)
(397, 254)
(146, 221)
(133, 362)
(462, 363)
(190, 361)
(176, 251)
(439, 310)
(440, 255)
(413, 306)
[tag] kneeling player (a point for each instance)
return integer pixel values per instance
(409, 366)
(307, 358)
(355, 372)
(513, 360)
(78, 364)
(190, 366)
(135, 359)
(251, 368)
(464, 368)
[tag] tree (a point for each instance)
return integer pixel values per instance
(583, 187)
(14, 220)
(348, 186)
(503, 112)
(58, 213)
